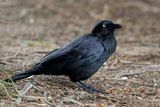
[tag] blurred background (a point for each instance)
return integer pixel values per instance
(30, 29)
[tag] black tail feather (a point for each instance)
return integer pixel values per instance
(19, 76)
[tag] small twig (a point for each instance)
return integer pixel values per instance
(4, 62)
(114, 63)
(41, 52)
(25, 89)
(130, 62)
(153, 68)
(31, 97)
(156, 96)
(46, 98)
(38, 104)
(73, 101)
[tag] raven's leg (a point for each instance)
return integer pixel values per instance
(88, 88)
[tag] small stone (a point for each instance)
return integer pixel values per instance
(31, 20)
(124, 78)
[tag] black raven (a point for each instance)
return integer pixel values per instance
(80, 59)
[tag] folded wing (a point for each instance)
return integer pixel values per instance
(82, 51)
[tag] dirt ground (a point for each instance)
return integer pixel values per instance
(30, 29)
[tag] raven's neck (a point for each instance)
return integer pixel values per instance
(109, 43)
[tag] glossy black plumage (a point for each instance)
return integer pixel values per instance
(80, 59)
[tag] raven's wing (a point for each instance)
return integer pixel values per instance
(49, 53)
(82, 51)
(61, 51)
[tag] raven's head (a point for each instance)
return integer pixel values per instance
(105, 27)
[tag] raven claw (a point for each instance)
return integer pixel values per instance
(89, 89)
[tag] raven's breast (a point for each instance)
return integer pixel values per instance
(85, 72)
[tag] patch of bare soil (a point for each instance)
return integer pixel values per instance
(29, 29)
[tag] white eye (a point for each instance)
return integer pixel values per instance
(104, 25)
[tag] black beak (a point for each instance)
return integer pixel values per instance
(117, 26)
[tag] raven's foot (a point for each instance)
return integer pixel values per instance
(88, 88)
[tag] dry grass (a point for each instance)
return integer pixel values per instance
(29, 29)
